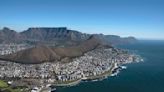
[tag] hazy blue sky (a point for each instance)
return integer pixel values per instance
(139, 18)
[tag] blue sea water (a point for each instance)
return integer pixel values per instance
(147, 76)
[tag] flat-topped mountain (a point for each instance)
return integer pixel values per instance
(50, 34)
(46, 35)
(55, 35)
(39, 54)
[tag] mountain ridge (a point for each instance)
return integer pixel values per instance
(40, 54)
(56, 35)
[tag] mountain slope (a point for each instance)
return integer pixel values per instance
(40, 54)
(116, 40)
(8, 36)
(85, 46)
(37, 54)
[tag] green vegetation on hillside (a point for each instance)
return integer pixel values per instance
(4, 87)
(3, 84)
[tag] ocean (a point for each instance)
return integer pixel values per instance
(147, 76)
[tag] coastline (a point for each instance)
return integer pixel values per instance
(102, 76)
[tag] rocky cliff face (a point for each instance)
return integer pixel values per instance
(51, 34)
(43, 35)
(58, 36)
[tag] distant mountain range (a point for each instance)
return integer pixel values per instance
(57, 36)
